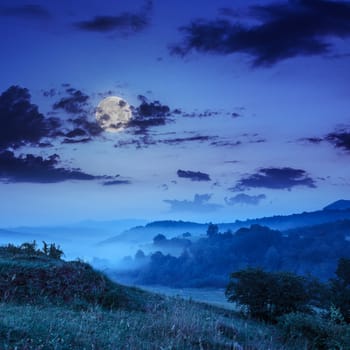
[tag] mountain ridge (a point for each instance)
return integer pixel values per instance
(174, 228)
(341, 204)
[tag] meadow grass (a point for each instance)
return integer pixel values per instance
(170, 323)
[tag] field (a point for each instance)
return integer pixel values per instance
(211, 296)
(47, 303)
(170, 323)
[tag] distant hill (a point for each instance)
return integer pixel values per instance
(9, 233)
(333, 230)
(7, 236)
(146, 233)
(342, 204)
(208, 261)
(78, 240)
(287, 222)
(170, 229)
(89, 229)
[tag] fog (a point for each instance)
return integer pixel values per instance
(82, 241)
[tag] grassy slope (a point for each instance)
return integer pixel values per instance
(51, 304)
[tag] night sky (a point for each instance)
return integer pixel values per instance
(240, 109)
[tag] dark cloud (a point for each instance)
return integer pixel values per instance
(151, 114)
(275, 178)
(78, 128)
(152, 109)
(180, 140)
(193, 175)
(116, 182)
(146, 140)
(314, 140)
(49, 93)
(125, 23)
(340, 139)
(200, 203)
(77, 140)
(142, 142)
(226, 143)
(231, 161)
(148, 115)
(294, 28)
(29, 11)
(78, 132)
(208, 113)
(126, 143)
(45, 144)
(75, 103)
(91, 128)
(205, 114)
(21, 122)
(243, 198)
(36, 169)
(244, 138)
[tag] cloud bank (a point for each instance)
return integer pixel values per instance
(193, 175)
(21, 122)
(284, 30)
(340, 139)
(36, 169)
(275, 178)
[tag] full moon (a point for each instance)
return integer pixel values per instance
(113, 114)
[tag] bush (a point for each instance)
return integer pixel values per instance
(30, 250)
(340, 288)
(319, 332)
(250, 287)
(268, 295)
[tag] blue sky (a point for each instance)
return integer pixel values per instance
(239, 110)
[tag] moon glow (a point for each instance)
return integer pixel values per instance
(113, 114)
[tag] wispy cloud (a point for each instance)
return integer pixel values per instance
(125, 23)
(242, 198)
(200, 203)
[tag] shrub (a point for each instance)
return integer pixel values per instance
(30, 250)
(250, 287)
(268, 295)
(340, 288)
(319, 332)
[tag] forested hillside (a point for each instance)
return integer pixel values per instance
(208, 261)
